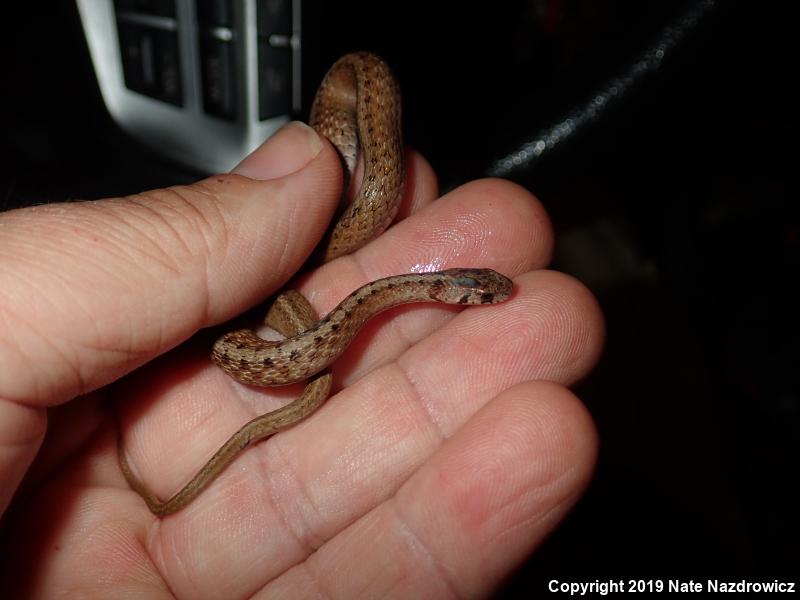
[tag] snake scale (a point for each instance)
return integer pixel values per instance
(357, 108)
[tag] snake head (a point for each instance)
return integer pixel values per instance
(471, 286)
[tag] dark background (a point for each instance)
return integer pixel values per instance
(675, 202)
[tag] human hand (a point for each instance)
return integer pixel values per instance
(451, 450)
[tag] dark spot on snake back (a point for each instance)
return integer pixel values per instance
(463, 299)
(486, 298)
(295, 354)
(267, 362)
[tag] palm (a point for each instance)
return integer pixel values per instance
(438, 465)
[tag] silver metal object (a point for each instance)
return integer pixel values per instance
(177, 121)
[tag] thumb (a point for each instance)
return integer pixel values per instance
(92, 290)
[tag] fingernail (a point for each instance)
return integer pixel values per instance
(289, 149)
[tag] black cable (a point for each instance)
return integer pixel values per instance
(607, 95)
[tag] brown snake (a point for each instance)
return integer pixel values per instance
(357, 107)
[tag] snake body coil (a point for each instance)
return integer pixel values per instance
(250, 359)
(357, 108)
